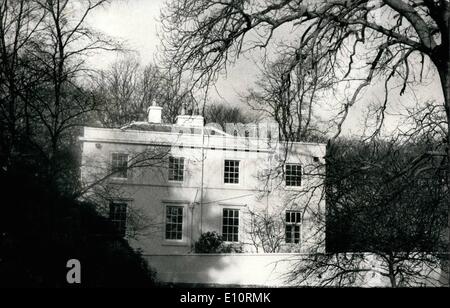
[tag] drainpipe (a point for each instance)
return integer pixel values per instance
(201, 185)
(192, 207)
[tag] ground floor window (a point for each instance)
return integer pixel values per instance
(230, 225)
(174, 222)
(293, 222)
(118, 216)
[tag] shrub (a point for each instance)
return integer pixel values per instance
(40, 230)
(212, 242)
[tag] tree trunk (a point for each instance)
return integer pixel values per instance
(446, 90)
(444, 74)
(392, 278)
(444, 71)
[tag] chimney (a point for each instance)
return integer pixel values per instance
(189, 120)
(154, 113)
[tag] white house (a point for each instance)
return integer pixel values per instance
(164, 185)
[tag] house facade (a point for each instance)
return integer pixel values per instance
(164, 185)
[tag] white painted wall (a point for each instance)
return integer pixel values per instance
(148, 190)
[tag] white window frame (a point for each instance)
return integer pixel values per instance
(184, 228)
(168, 169)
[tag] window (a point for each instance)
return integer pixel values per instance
(230, 225)
(231, 173)
(119, 162)
(118, 216)
(293, 175)
(174, 223)
(293, 221)
(176, 169)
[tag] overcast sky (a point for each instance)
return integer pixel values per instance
(136, 23)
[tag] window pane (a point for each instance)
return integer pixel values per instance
(288, 234)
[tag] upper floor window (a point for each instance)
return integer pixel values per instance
(230, 225)
(176, 169)
(293, 175)
(231, 172)
(174, 222)
(119, 163)
(293, 221)
(118, 216)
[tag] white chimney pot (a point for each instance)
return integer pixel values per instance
(154, 114)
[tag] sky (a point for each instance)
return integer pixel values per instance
(135, 22)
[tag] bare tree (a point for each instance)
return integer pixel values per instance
(126, 89)
(117, 94)
(288, 91)
(266, 231)
(204, 37)
(20, 21)
(222, 114)
(60, 51)
(386, 204)
(44, 46)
